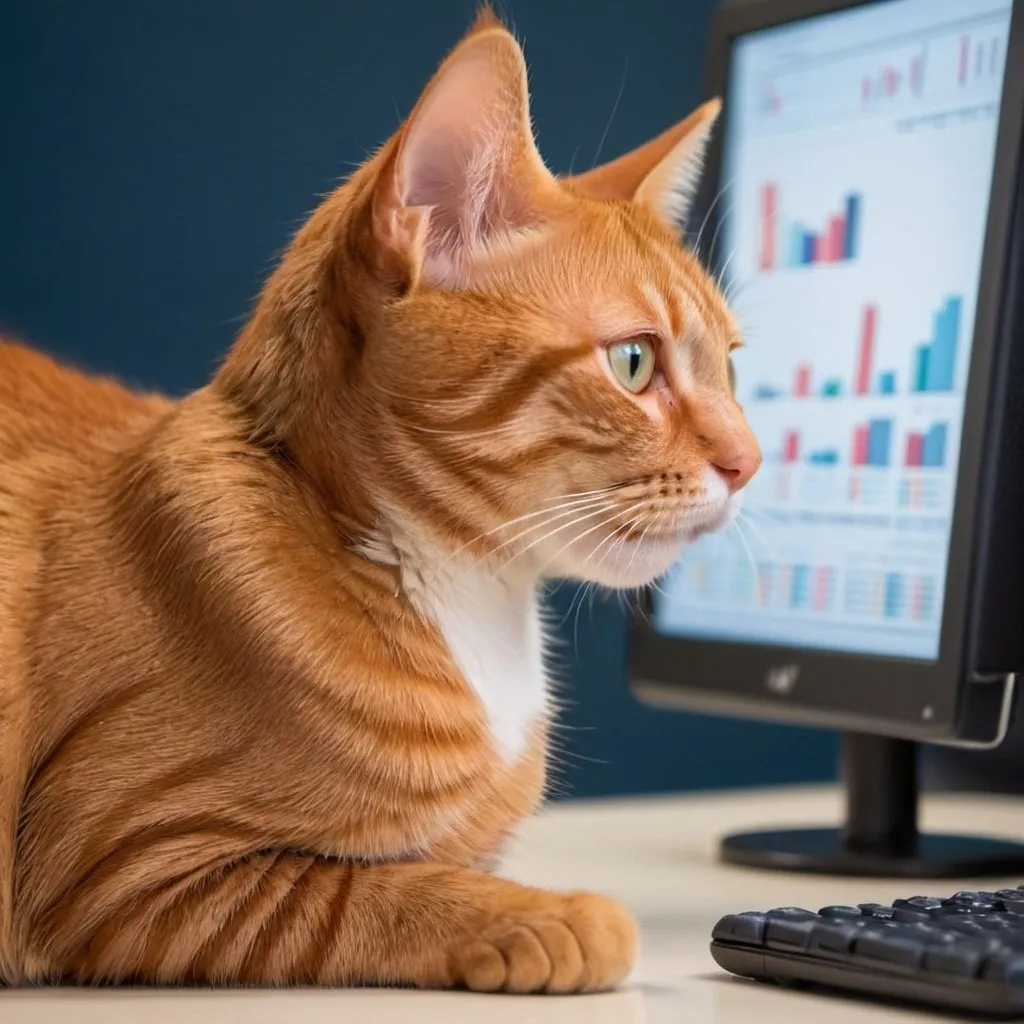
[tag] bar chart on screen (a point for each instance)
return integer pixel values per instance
(905, 366)
(820, 589)
(789, 244)
(954, 62)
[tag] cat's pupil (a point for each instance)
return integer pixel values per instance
(634, 360)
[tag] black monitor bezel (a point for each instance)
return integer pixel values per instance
(905, 697)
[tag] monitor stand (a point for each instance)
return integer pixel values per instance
(880, 836)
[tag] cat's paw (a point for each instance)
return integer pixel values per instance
(579, 942)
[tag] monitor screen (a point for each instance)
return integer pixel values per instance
(857, 160)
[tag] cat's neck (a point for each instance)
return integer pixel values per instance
(490, 619)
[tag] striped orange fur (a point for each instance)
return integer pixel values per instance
(272, 694)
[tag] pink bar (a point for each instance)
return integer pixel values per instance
(915, 450)
(860, 446)
(862, 385)
(917, 604)
(837, 237)
(802, 382)
(791, 446)
(821, 587)
(769, 218)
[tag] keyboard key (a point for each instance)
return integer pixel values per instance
(919, 903)
(747, 929)
(910, 915)
(876, 911)
(789, 932)
(973, 901)
(1012, 900)
(836, 936)
(962, 958)
(893, 947)
(840, 912)
(1004, 965)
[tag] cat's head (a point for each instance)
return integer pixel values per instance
(534, 369)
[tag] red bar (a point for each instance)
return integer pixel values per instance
(862, 385)
(802, 382)
(821, 587)
(820, 247)
(860, 446)
(791, 446)
(915, 450)
(769, 217)
(965, 51)
(837, 235)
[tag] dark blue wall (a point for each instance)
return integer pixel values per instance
(156, 155)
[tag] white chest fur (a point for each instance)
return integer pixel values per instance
(493, 631)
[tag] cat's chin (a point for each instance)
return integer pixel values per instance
(640, 563)
(637, 563)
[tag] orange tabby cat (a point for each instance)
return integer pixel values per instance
(271, 685)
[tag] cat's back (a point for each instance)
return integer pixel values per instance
(50, 410)
(56, 427)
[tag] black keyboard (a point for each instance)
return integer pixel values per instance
(965, 952)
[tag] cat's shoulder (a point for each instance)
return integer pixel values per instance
(43, 401)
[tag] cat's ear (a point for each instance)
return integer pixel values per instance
(662, 174)
(464, 168)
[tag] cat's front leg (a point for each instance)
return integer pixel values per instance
(284, 919)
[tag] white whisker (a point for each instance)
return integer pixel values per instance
(604, 522)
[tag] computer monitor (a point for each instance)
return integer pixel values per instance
(861, 207)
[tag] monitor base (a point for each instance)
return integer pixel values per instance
(823, 851)
(880, 836)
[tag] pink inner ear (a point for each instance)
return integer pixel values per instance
(455, 158)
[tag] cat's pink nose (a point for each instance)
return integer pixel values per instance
(737, 468)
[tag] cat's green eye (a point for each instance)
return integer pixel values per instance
(633, 363)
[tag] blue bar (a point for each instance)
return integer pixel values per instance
(826, 457)
(879, 436)
(921, 361)
(808, 251)
(796, 246)
(942, 360)
(893, 595)
(933, 451)
(887, 383)
(851, 241)
(764, 391)
(832, 388)
(799, 589)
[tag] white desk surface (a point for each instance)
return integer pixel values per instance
(657, 856)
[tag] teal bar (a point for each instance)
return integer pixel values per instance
(942, 360)
(921, 368)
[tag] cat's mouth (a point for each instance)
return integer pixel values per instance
(658, 535)
(682, 531)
